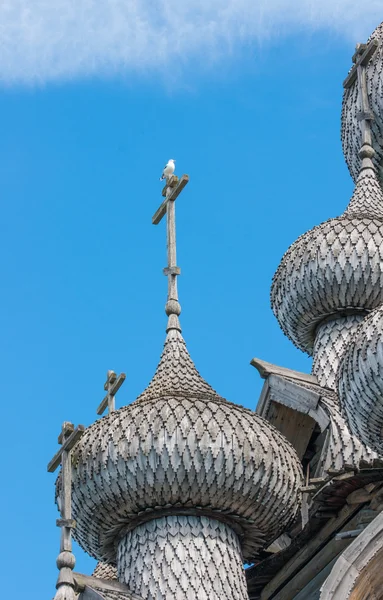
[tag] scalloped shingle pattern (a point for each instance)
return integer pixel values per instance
(181, 446)
(105, 571)
(183, 557)
(360, 381)
(335, 267)
(330, 343)
(351, 126)
(176, 374)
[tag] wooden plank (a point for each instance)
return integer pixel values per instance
(265, 369)
(330, 552)
(362, 61)
(312, 589)
(299, 396)
(66, 447)
(90, 594)
(101, 584)
(161, 211)
(309, 550)
(295, 426)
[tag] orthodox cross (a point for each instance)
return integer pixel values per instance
(111, 386)
(361, 58)
(68, 437)
(171, 191)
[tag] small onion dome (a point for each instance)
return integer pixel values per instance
(360, 381)
(181, 449)
(352, 125)
(336, 268)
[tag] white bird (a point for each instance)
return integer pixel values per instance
(169, 169)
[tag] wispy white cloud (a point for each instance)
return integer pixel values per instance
(42, 40)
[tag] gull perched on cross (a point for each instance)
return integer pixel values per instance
(169, 169)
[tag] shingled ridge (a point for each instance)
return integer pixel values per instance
(367, 199)
(176, 374)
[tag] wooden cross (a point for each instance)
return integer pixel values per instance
(171, 191)
(68, 437)
(111, 386)
(361, 58)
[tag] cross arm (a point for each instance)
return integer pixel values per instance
(160, 213)
(362, 61)
(67, 445)
(112, 392)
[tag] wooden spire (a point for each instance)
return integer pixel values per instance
(171, 191)
(68, 437)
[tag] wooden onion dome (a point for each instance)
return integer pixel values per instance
(181, 487)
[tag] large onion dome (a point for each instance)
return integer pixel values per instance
(352, 108)
(182, 449)
(360, 381)
(180, 487)
(336, 269)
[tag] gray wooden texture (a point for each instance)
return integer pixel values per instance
(352, 106)
(360, 381)
(183, 557)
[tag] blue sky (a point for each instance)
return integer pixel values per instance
(252, 116)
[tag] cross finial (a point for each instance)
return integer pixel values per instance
(171, 191)
(361, 58)
(68, 438)
(111, 386)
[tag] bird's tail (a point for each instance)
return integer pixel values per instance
(162, 178)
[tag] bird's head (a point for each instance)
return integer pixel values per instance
(173, 160)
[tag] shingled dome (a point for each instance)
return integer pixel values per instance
(180, 449)
(360, 381)
(352, 108)
(180, 445)
(335, 269)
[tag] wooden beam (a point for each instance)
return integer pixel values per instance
(330, 552)
(363, 61)
(306, 553)
(90, 594)
(265, 369)
(67, 445)
(105, 585)
(160, 213)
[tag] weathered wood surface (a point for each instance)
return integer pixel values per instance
(69, 443)
(295, 426)
(319, 562)
(112, 385)
(330, 498)
(306, 553)
(82, 581)
(351, 125)
(175, 192)
(90, 594)
(361, 59)
(359, 566)
(265, 369)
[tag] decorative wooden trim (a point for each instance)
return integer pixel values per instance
(265, 369)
